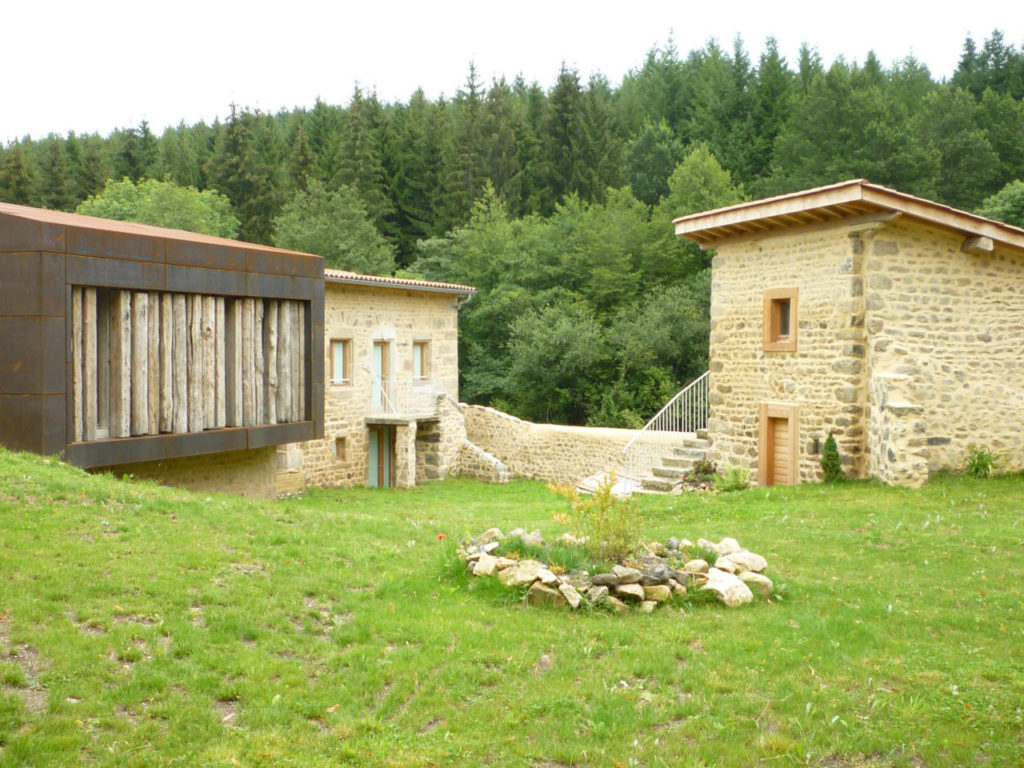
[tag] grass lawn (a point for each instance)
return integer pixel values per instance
(146, 626)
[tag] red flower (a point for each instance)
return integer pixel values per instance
(441, 537)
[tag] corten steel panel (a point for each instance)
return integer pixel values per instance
(18, 234)
(54, 355)
(315, 341)
(20, 283)
(295, 432)
(189, 254)
(102, 453)
(115, 273)
(52, 281)
(21, 355)
(21, 422)
(118, 245)
(214, 441)
(54, 426)
(211, 281)
(280, 287)
(288, 264)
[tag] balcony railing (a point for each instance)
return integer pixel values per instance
(407, 399)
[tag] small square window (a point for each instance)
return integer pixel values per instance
(341, 361)
(780, 320)
(340, 448)
(420, 360)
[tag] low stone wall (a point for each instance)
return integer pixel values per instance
(550, 452)
(439, 443)
(243, 473)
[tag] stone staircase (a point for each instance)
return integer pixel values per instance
(678, 462)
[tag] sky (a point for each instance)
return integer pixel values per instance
(97, 66)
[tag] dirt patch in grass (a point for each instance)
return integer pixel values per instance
(86, 627)
(227, 710)
(432, 725)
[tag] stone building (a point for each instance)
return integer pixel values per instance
(893, 322)
(391, 413)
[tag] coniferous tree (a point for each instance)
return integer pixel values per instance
(15, 178)
(51, 175)
(360, 165)
(464, 153)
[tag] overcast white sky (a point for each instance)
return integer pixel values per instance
(96, 66)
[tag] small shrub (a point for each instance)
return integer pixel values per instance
(610, 525)
(704, 469)
(733, 479)
(980, 461)
(831, 464)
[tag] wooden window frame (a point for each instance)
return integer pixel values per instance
(421, 351)
(777, 411)
(774, 301)
(345, 380)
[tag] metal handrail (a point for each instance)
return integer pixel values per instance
(687, 411)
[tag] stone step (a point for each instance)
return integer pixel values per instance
(690, 454)
(704, 435)
(682, 462)
(696, 442)
(657, 484)
(675, 473)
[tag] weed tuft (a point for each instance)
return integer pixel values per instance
(980, 463)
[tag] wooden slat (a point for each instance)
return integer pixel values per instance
(166, 421)
(195, 364)
(140, 359)
(233, 362)
(181, 357)
(248, 365)
(270, 361)
(77, 362)
(209, 377)
(300, 343)
(293, 349)
(284, 378)
(91, 363)
(120, 363)
(257, 357)
(221, 367)
(153, 365)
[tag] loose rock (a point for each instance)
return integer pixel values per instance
(626, 575)
(541, 595)
(597, 595)
(572, 597)
(491, 534)
(759, 584)
(696, 566)
(633, 591)
(485, 566)
(648, 606)
(728, 588)
(658, 593)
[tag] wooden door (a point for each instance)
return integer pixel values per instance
(777, 452)
(380, 471)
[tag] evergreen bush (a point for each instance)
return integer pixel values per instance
(831, 464)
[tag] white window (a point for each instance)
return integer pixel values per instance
(341, 361)
(420, 360)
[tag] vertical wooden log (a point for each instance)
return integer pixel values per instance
(248, 365)
(153, 364)
(90, 363)
(166, 421)
(181, 360)
(140, 360)
(209, 362)
(300, 343)
(120, 363)
(195, 368)
(77, 402)
(233, 363)
(270, 361)
(258, 362)
(295, 344)
(220, 368)
(284, 373)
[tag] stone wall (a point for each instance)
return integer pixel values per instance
(439, 443)
(954, 323)
(550, 452)
(364, 315)
(824, 377)
(243, 473)
(897, 438)
(477, 463)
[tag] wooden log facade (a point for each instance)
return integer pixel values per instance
(146, 362)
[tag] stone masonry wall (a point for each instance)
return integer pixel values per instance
(897, 437)
(550, 452)
(243, 473)
(954, 323)
(364, 315)
(824, 377)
